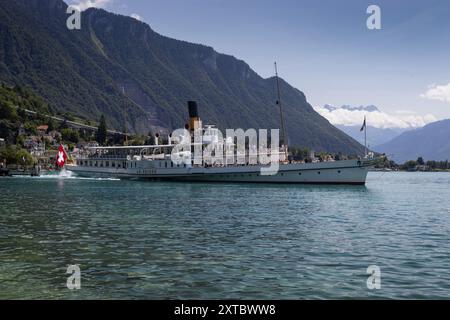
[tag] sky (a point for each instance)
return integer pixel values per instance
(323, 47)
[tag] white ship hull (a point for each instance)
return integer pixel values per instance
(336, 172)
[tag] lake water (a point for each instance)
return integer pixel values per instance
(152, 240)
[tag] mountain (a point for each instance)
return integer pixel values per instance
(381, 126)
(120, 67)
(430, 142)
(375, 136)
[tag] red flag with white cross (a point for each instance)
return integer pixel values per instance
(61, 156)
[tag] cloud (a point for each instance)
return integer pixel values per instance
(378, 119)
(86, 4)
(437, 92)
(136, 16)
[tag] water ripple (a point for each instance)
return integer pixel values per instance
(146, 240)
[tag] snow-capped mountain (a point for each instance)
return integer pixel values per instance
(370, 108)
(381, 126)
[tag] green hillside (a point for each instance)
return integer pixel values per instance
(83, 72)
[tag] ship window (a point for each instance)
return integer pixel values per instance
(107, 164)
(90, 163)
(339, 171)
(165, 163)
(299, 173)
(113, 164)
(282, 174)
(171, 164)
(318, 172)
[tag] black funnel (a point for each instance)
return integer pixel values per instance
(193, 110)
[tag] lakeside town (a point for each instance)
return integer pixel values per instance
(31, 132)
(36, 147)
(29, 139)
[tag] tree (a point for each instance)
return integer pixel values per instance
(70, 135)
(409, 165)
(51, 125)
(14, 155)
(7, 111)
(299, 153)
(150, 139)
(102, 131)
(63, 125)
(137, 140)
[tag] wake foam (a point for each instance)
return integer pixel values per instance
(65, 174)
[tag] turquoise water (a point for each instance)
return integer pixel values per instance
(151, 240)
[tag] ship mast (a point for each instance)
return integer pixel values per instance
(283, 126)
(125, 117)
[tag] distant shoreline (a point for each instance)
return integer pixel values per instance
(411, 171)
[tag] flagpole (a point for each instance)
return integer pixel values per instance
(283, 125)
(365, 136)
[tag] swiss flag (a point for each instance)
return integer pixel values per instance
(61, 157)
